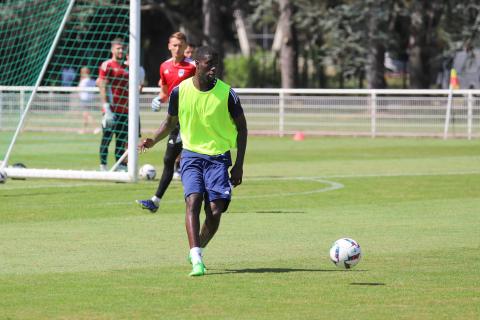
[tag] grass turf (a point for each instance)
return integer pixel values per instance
(84, 250)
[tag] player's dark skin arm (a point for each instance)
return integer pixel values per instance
(236, 173)
(165, 127)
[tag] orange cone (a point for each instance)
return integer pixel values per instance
(299, 136)
(454, 79)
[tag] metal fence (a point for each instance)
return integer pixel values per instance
(416, 113)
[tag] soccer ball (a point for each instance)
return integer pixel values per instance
(3, 176)
(147, 172)
(345, 253)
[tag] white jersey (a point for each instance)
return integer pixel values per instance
(87, 96)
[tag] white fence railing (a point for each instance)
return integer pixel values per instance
(428, 113)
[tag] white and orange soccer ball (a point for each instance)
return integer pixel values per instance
(345, 253)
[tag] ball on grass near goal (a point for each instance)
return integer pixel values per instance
(345, 253)
(147, 172)
(3, 176)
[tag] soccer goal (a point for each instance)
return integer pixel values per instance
(55, 48)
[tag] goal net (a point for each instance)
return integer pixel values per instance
(52, 54)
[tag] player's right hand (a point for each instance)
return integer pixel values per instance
(108, 119)
(156, 104)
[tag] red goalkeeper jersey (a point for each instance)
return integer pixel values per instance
(116, 76)
(171, 73)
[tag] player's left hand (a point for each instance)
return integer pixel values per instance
(145, 144)
(236, 175)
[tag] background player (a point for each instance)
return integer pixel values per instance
(188, 53)
(113, 86)
(141, 73)
(86, 98)
(172, 73)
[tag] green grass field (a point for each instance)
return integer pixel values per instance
(84, 250)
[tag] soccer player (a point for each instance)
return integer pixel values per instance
(87, 98)
(211, 123)
(188, 53)
(141, 73)
(172, 72)
(113, 86)
(68, 76)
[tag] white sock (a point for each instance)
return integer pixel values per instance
(156, 200)
(196, 254)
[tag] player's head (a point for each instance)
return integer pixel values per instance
(206, 60)
(177, 42)
(188, 53)
(84, 72)
(117, 48)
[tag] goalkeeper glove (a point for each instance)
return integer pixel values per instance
(156, 104)
(108, 117)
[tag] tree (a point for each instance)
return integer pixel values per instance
(345, 41)
(380, 17)
(311, 40)
(288, 51)
(348, 36)
(460, 25)
(213, 30)
(425, 19)
(244, 32)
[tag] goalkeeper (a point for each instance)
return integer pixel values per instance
(113, 86)
(172, 72)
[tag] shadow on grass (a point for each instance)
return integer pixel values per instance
(278, 211)
(367, 284)
(273, 270)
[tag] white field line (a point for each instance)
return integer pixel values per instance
(402, 174)
(331, 185)
(8, 186)
(327, 185)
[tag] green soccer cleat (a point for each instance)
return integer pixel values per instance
(198, 270)
(189, 259)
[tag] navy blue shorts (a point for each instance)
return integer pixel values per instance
(206, 175)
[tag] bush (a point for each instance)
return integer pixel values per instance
(257, 71)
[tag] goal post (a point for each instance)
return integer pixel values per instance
(54, 48)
